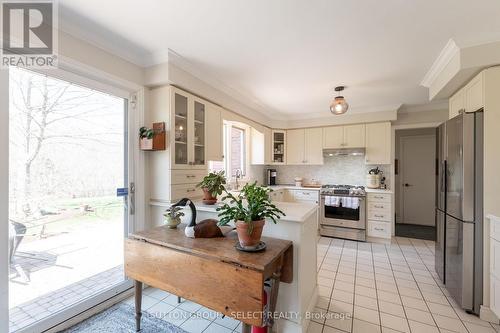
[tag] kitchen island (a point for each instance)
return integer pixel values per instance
(300, 226)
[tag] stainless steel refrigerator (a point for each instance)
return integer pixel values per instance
(459, 208)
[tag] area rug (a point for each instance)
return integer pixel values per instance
(121, 319)
(416, 231)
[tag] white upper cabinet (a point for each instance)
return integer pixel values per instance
(457, 104)
(268, 144)
(312, 143)
(468, 99)
(378, 143)
(303, 146)
(214, 150)
(188, 114)
(333, 137)
(278, 146)
(354, 136)
(474, 94)
(295, 147)
(351, 136)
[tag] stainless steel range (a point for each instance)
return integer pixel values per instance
(343, 212)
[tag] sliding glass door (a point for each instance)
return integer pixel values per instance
(68, 156)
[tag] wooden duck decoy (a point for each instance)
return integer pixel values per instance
(204, 229)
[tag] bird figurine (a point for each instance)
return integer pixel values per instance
(204, 229)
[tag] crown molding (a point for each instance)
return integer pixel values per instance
(445, 56)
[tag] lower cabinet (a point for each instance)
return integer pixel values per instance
(379, 215)
(495, 265)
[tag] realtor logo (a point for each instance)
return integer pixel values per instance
(29, 33)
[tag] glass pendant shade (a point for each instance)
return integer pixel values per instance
(339, 105)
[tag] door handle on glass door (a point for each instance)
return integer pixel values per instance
(408, 185)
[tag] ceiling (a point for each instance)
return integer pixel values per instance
(287, 55)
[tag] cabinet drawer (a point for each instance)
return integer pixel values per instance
(495, 257)
(379, 229)
(384, 207)
(495, 295)
(379, 197)
(306, 195)
(187, 176)
(495, 229)
(186, 191)
(379, 215)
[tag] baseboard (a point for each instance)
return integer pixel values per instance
(92, 311)
(485, 313)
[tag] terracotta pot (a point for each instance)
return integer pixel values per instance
(208, 198)
(246, 238)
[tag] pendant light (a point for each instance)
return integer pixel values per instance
(339, 105)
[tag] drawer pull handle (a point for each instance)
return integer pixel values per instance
(378, 197)
(191, 190)
(379, 229)
(378, 215)
(378, 206)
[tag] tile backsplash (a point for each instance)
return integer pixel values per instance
(350, 170)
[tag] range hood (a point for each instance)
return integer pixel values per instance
(344, 152)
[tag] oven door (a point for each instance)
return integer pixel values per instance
(343, 217)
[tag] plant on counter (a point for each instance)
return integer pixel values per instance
(249, 210)
(212, 185)
(173, 216)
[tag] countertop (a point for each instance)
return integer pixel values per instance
(293, 187)
(377, 190)
(295, 212)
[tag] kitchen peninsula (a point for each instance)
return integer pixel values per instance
(299, 226)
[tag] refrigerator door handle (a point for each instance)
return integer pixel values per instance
(468, 148)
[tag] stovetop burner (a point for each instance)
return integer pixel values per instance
(347, 190)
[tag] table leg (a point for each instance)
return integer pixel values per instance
(274, 292)
(138, 302)
(245, 328)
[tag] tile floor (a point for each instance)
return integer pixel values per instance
(363, 287)
(369, 287)
(188, 315)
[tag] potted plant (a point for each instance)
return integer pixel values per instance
(173, 216)
(212, 185)
(146, 137)
(249, 210)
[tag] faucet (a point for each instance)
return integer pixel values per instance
(238, 174)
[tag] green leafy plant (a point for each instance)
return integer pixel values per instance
(174, 212)
(251, 204)
(214, 183)
(146, 133)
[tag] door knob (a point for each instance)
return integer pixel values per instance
(408, 185)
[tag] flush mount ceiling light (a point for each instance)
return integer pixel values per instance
(339, 105)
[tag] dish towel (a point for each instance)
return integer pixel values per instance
(332, 201)
(350, 202)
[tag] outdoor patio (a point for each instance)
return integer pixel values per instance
(64, 259)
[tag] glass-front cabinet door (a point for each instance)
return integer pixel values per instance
(199, 133)
(188, 121)
(181, 125)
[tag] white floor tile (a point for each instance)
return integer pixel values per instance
(371, 316)
(394, 322)
(227, 322)
(418, 327)
(448, 323)
(359, 326)
(215, 328)
(195, 324)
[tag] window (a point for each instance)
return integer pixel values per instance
(235, 151)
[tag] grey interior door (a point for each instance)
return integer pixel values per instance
(440, 244)
(459, 268)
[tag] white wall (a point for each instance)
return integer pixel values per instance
(350, 170)
(435, 116)
(398, 189)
